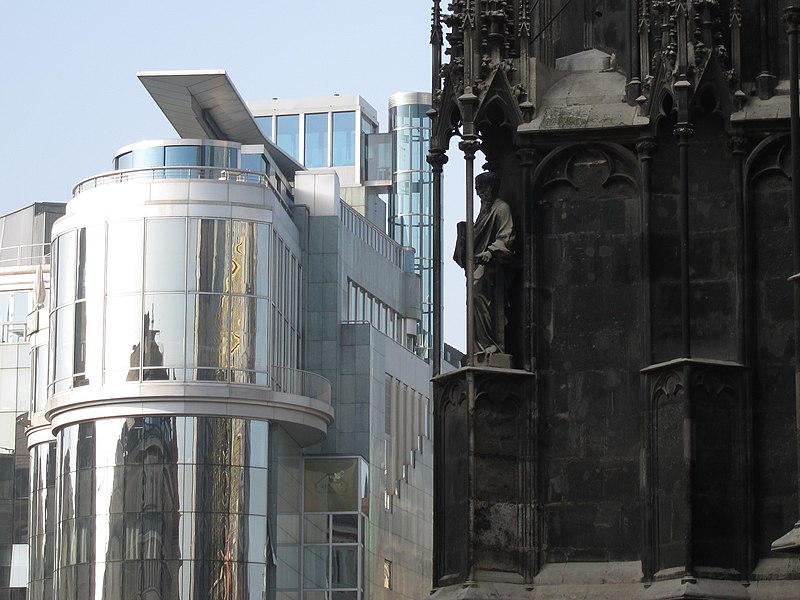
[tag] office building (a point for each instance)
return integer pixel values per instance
(24, 265)
(232, 406)
(375, 168)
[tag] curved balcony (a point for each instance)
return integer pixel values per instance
(181, 172)
(298, 400)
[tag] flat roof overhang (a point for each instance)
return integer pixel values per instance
(205, 104)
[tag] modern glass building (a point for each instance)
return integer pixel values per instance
(226, 403)
(375, 169)
(411, 198)
(24, 270)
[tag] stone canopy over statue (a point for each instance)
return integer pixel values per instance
(493, 251)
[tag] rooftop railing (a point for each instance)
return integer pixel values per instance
(25, 255)
(374, 237)
(202, 173)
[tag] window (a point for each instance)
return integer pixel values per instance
(316, 140)
(288, 134)
(387, 574)
(363, 306)
(333, 550)
(344, 139)
(265, 125)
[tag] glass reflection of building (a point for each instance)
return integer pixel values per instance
(182, 438)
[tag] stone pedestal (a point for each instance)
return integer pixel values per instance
(484, 480)
(697, 515)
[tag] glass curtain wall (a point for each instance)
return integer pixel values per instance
(331, 533)
(15, 380)
(163, 507)
(185, 299)
(411, 203)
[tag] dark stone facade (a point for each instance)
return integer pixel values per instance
(645, 444)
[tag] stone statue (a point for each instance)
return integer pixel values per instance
(494, 241)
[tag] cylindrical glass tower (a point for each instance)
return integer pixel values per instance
(174, 380)
(411, 199)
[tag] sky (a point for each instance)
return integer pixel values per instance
(72, 98)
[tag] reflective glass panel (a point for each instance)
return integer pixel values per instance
(65, 322)
(262, 259)
(39, 378)
(331, 484)
(345, 528)
(79, 352)
(316, 140)
(208, 322)
(315, 567)
(243, 257)
(379, 156)
(65, 273)
(367, 126)
(124, 161)
(244, 332)
(265, 125)
(165, 255)
(259, 447)
(344, 139)
(123, 335)
(315, 529)
(209, 254)
(219, 156)
(288, 134)
(288, 566)
(288, 529)
(80, 291)
(148, 157)
(254, 162)
(124, 257)
(260, 337)
(163, 326)
(344, 566)
(179, 156)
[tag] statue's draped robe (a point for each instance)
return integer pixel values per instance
(494, 231)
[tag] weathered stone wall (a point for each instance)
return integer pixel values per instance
(590, 354)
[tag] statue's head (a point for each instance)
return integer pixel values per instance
(488, 180)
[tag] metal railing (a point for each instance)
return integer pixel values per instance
(373, 236)
(300, 383)
(25, 255)
(203, 173)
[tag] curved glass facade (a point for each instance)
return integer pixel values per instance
(411, 200)
(163, 507)
(172, 299)
(179, 153)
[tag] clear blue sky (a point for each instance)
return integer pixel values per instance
(71, 96)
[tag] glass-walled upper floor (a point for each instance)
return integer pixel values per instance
(178, 153)
(173, 299)
(316, 139)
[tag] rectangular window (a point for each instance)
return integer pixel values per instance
(288, 134)
(182, 156)
(316, 140)
(387, 574)
(344, 139)
(265, 125)
(148, 157)
(387, 404)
